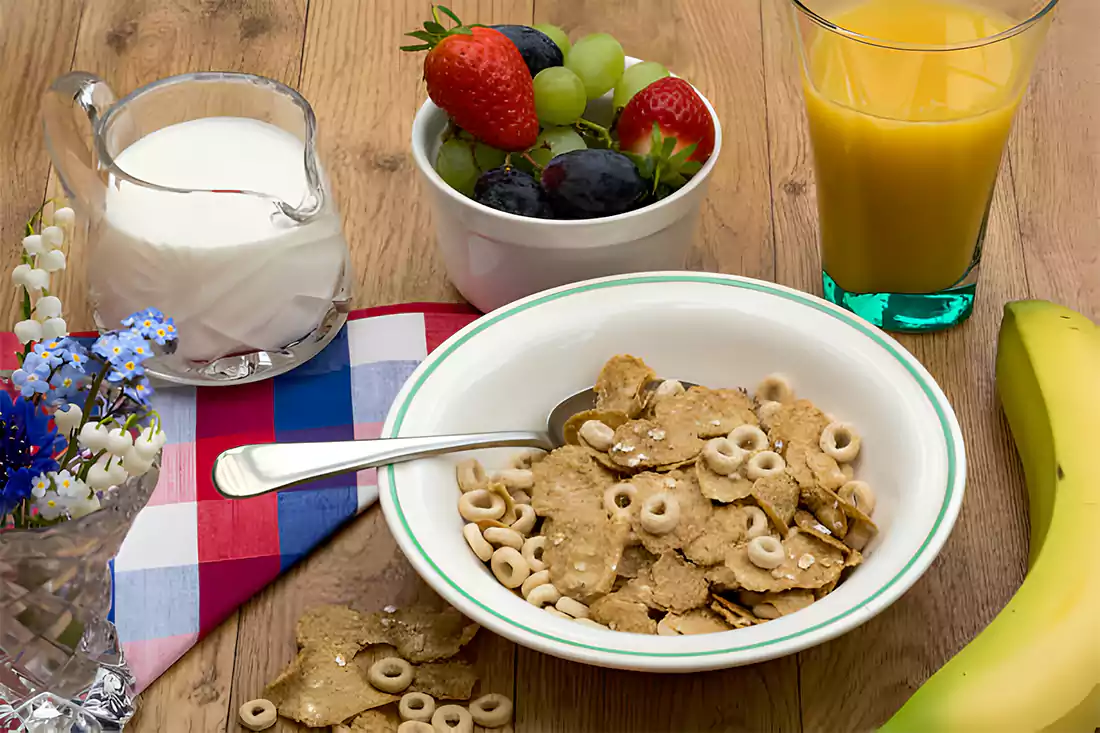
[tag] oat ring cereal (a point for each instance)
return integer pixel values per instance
(766, 552)
(509, 567)
(415, 726)
(619, 499)
(590, 623)
(860, 495)
(477, 542)
(416, 706)
(765, 463)
(669, 388)
(533, 548)
(471, 476)
(491, 711)
(774, 388)
(840, 441)
(503, 537)
(525, 519)
(570, 607)
(258, 714)
(534, 580)
(749, 438)
(543, 595)
(758, 522)
(660, 513)
(479, 504)
(392, 675)
(452, 719)
(516, 478)
(723, 456)
(766, 610)
(598, 435)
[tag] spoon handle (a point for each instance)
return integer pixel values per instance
(251, 470)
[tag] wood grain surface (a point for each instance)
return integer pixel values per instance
(759, 220)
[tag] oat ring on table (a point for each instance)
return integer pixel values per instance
(480, 504)
(774, 388)
(452, 719)
(509, 567)
(722, 456)
(757, 522)
(525, 519)
(765, 463)
(860, 495)
(392, 675)
(416, 706)
(766, 552)
(415, 726)
(619, 499)
(491, 711)
(749, 438)
(660, 513)
(471, 475)
(597, 435)
(533, 548)
(840, 441)
(258, 714)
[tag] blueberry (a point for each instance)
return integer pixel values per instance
(538, 51)
(585, 184)
(511, 190)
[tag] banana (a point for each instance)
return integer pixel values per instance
(1036, 667)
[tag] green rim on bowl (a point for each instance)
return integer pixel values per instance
(865, 329)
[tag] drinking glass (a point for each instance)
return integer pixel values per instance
(910, 104)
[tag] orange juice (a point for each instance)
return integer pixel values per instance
(907, 143)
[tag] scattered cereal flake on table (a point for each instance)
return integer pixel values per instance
(636, 450)
(621, 384)
(678, 586)
(695, 509)
(422, 634)
(777, 495)
(797, 422)
(784, 602)
(583, 551)
(321, 688)
(788, 575)
(332, 624)
(696, 621)
(811, 467)
(708, 413)
(384, 720)
(451, 680)
(620, 614)
(635, 559)
(568, 481)
(721, 488)
(572, 427)
(826, 506)
(731, 613)
(727, 526)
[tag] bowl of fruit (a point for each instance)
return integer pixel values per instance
(548, 162)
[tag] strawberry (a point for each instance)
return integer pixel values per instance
(478, 77)
(668, 130)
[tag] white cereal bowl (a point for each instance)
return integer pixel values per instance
(506, 370)
(494, 257)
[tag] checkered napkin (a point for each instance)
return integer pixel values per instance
(193, 556)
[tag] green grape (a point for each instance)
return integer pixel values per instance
(455, 165)
(557, 35)
(635, 79)
(554, 141)
(488, 158)
(559, 96)
(598, 60)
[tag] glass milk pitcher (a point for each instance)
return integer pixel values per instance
(204, 198)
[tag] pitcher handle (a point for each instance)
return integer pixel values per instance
(70, 136)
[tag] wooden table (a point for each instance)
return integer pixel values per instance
(759, 220)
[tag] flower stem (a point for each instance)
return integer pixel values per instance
(88, 404)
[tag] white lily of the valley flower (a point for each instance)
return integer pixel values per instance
(55, 328)
(136, 464)
(93, 436)
(116, 471)
(98, 477)
(68, 418)
(47, 307)
(20, 273)
(54, 237)
(27, 331)
(148, 437)
(119, 442)
(33, 244)
(52, 261)
(83, 506)
(36, 279)
(64, 217)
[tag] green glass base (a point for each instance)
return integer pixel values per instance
(906, 312)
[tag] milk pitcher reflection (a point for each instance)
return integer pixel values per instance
(204, 197)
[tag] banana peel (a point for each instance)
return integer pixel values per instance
(1036, 667)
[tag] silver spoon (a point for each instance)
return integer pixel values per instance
(251, 470)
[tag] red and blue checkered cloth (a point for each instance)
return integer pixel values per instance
(193, 556)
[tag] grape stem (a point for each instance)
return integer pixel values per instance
(534, 164)
(597, 131)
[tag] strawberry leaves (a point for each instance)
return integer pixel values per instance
(434, 31)
(666, 168)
